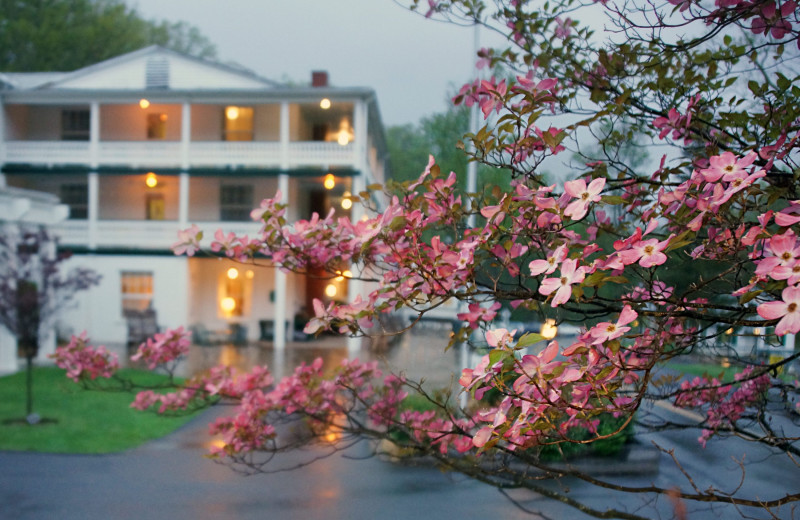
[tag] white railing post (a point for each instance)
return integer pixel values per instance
(94, 208)
(94, 134)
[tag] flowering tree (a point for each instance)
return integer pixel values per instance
(34, 289)
(654, 262)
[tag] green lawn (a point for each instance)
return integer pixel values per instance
(87, 421)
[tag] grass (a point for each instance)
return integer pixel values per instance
(86, 421)
(700, 369)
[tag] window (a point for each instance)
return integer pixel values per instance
(76, 196)
(157, 126)
(155, 206)
(75, 125)
(235, 202)
(238, 124)
(137, 291)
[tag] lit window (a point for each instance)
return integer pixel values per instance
(233, 293)
(238, 124)
(137, 290)
(157, 126)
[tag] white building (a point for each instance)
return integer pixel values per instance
(150, 142)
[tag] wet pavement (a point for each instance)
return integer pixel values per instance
(171, 479)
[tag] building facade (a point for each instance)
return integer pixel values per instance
(148, 143)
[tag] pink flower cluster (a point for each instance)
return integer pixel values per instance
(725, 403)
(82, 361)
(164, 347)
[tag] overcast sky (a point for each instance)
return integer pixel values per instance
(412, 63)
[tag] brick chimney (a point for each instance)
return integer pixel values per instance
(319, 78)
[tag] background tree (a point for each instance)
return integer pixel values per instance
(34, 291)
(439, 135)
(65, 35)
(713, 85)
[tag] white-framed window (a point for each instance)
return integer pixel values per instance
(76, 196)
(75, 124)
(235, 202)
(137, 290)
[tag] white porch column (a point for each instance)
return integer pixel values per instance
(9, 362)
(355, 286)
(94, 134)
(183, 200)
(280, 314)
(94, 208)
(186, 134)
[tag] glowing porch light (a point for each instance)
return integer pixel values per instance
(329, 182)
(233, 273)
(325, 103)
(151, 180)
(143, 103)
(227, 304)
(343, 275)
(549, 329)
(330, 290)
(758, 331)
(232, 113)
(343, 138)
(729, 331)
(347, 203)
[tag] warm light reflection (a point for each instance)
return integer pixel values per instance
(729, 331)
(151, 180)
(249, 274)
(330, 290)
(549, 329)
(144, 103)
(758, 331)
(232, 113)
(233, 273)
(329, 182)
(325, 103)
(215, 443)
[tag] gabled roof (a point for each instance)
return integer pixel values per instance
(130, 72)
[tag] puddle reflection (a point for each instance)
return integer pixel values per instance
(418, 356)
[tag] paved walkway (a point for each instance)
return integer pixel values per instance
(170, 479)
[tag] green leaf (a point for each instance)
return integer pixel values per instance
(497, 355)
(529, 339)
(749, 296)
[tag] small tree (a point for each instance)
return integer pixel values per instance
(704, 244)
(33, 290)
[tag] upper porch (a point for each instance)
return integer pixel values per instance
(180, 132)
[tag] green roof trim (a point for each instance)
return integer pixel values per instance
(308, 171)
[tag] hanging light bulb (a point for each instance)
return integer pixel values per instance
(151, 180)
(325, 103)
(143, 103)
(329, 182)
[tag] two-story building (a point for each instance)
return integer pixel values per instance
(145, 144)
